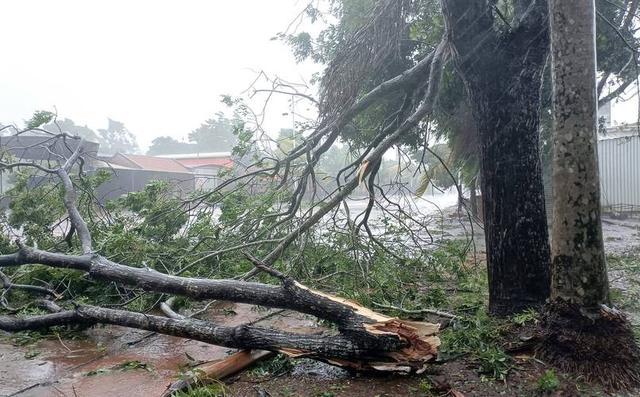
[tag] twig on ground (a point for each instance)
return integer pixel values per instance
(418, 311)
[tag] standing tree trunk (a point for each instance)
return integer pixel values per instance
(579, 269)
(582, 333)
(502, 73)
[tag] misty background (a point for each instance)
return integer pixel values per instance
(159, 67)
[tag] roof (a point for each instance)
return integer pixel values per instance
(42, 146)
(201, 160)
(149, 163)
(206, 162)
(196, 155)
(111, 165)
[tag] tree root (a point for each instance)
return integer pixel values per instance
(600, 348)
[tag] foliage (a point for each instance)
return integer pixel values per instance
(169, 145)
(494, 363)
(40, 118)
(117, 138)
(70, 127)
(437, 165)
(276, 366)
(478, 335)
(215, 134)
(548, 382)
(529, 316)
(452, 120)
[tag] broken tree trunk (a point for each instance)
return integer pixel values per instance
(365, 340)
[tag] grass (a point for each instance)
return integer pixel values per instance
(213, 390)
(276, 366)
(548, 382)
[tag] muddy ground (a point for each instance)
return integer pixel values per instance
(113, 361)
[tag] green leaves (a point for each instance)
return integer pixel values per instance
(425, 179)
(40, 118)
(548, 382)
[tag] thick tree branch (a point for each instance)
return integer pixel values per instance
(324, 347)
(7, 284)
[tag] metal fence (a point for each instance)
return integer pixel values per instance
(619, 160)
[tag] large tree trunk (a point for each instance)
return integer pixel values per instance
(581, 333)
(503, 77)
(579, 268)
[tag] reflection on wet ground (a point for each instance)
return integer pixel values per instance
(116, 361)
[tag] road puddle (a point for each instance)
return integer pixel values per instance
(116, 361)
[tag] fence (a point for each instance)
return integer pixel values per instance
(619, 160)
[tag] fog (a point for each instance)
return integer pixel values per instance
(158, 66)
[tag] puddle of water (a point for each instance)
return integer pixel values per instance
(17, 372)
(61, 366)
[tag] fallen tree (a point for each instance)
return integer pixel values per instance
(363, 339)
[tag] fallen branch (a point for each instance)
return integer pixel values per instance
(386, 345)
(363, 340)
(218, 370)
(435, 312)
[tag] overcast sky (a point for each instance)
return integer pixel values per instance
(159, 66)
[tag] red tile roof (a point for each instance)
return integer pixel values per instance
(149, 163)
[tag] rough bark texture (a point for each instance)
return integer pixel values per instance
(365, 340)
(503, 76)
(581, 334)
(579, 269)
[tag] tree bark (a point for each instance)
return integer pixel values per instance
(503, 77)
(581, 333)
(579, 268)
(365, 340)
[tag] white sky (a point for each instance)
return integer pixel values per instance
(159, 66)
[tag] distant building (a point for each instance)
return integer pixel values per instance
(205, 166)
(185, 172)
(619, 170)
(132, 172)
(619, 164)
(43, 149)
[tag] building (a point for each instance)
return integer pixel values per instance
(619, 164)
(43, 149)
(205, 166)
(185, 172)
(132, 172)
